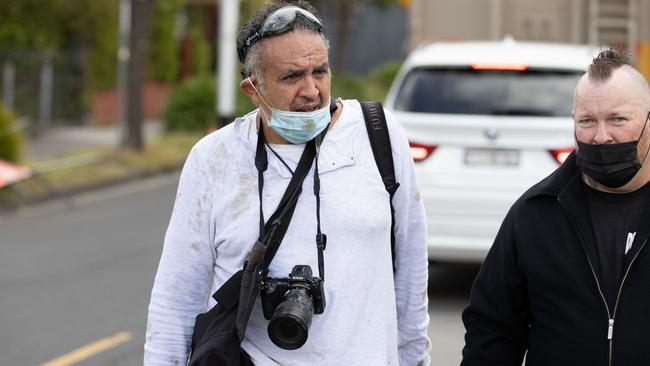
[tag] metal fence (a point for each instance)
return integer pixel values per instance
(45, 88)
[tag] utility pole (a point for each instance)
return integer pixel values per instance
(8, 84)
(226, 51)
(46, 92)
(140, 15)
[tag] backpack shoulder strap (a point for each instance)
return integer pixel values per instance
(373, 113)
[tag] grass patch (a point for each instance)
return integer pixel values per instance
(99, 167)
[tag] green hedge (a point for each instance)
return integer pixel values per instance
(11, 139)
(191, 106)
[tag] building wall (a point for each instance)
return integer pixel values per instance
(546, 20)
(449, 20)
(533, 20)
(537, 20)
(643, 22)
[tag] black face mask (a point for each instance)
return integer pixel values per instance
(612, 165)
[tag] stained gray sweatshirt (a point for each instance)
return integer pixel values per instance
(372, 315)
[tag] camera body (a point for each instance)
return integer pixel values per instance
(275, 290)
(290, 303)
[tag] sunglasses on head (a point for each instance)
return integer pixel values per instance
(282, 21)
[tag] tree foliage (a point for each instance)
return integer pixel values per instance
(201, 54)
(78, 27)
(90, 27)
(28, 24)
(163, 50)
(248, 7)
(88, 31)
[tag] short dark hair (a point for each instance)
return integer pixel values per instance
(604, 64)
(256, 20)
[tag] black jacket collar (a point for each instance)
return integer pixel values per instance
(565, 186)
(558, 181)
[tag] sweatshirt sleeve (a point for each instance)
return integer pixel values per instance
(497, 317)
(411, 259)
(185, 269)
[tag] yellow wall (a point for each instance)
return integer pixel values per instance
(643, 59)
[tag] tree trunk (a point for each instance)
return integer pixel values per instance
(344, 9)
(140, 16)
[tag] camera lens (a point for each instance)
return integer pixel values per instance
(289, 329)
(290, 323)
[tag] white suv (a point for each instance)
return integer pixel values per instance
(486, 120)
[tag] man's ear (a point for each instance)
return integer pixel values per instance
(246, 86)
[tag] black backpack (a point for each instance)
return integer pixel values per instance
(215, 340)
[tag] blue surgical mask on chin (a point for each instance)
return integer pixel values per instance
(297, 127)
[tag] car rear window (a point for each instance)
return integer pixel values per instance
(488, 92)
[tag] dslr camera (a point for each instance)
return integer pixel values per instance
(289, 304)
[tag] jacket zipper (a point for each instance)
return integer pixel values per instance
(610, 321)
(610, 327)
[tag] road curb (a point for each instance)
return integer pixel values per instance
(7, 209)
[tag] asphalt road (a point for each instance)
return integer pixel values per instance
(75, 282)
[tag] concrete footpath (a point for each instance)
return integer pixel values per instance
(66, 147)
(65, 140)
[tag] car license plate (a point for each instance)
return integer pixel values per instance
(492, 157)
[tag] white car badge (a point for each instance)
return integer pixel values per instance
(491, 133)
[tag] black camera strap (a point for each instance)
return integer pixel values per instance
(321, 239)
(272, 233)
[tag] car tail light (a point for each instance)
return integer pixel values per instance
(499, 66)
(560, 155)
(420, 152)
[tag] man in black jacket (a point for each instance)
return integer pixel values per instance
(567, 281)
